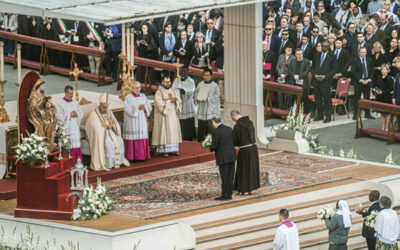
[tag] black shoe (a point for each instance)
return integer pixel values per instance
(370, 117)
(122, 165)
(318, 118)
(226, 198)
(328, 119)
(219, 198)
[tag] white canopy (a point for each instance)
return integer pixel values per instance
(112, 11)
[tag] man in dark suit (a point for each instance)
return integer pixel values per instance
(342, 61)
(225, 155)
(370, 36)
(368, 232)
(351, 34)
(362, 71)
(271, 39)
(210, 37)
(323, 68)
(384, 25)
(315, 37)
(361, 43)
(285, 41)
(299, 33)
(307, 48)
(307, 26)
(298, 75)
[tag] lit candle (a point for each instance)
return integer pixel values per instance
(128, 44)
(19, 63)
(132, 48)
(2, 60)
(123, 39)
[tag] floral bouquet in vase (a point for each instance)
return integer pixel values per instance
(325, 213)
(207, 141)
(369, 220)
(93, 202)
(32, 149)
(62, 140)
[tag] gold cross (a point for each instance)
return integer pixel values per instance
(178, 67)
(76, 73)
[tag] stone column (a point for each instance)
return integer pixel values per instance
(243, 64)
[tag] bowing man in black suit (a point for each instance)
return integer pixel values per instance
(367, 232)
(362, 71)
(341, 60)
(225, 155)
(298, 75)
(322, 71)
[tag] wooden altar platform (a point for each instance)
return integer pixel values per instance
(190, 153)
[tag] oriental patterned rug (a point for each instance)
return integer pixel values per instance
(195, 186)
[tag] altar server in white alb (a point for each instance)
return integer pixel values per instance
(136, 135)
(69, 115)
(387, 226)
(104, 134)
(184, 85)
(167, 130)
(287, 234)
(207, 95)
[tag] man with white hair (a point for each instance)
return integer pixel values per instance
(136, 134)
(104, 134)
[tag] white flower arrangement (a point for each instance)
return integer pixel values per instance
(62, 138)
(27, 241)
(301, 123)
(207, 141)
(369, 220)
(93, 202)
(325, 213)
(32, 149)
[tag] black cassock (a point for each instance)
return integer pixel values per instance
(247, 177)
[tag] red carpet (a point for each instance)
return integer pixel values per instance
(190, 153)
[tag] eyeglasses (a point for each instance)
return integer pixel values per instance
(285, 34)
(268, 29)
(314, 31)
(270, 21)
(209, 23)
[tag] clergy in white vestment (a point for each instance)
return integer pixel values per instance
(69, 115)
(287, 234)
(104, 134)
(387, 227)
(207, 96)
(184, 85)
(167, 130)
(136, 135)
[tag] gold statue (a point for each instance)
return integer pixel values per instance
(126, 87)
(42, 113)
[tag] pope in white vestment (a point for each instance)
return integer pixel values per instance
(104, 134)
(167, 130)
(69, 115)
(136, 135)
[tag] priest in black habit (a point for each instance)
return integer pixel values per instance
(247, 176)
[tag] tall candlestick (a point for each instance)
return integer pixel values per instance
(19, 63)
(132, 47)
(2, 61)
(123, 39)
(128, 44)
